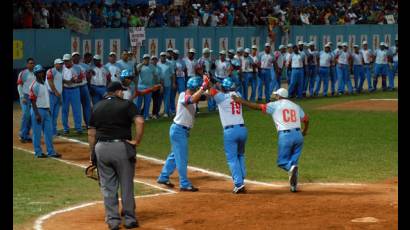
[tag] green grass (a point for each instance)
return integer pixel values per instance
(41, 186)
(341, 146)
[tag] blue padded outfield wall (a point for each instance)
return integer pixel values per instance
(47, 44)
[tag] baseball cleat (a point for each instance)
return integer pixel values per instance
(293, 178)
(55, 155)
(166, 183)
(240, 189)
(132, 225)
(189, 189)
(40, 156)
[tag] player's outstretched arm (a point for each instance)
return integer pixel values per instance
(305, 121)
(147, 91)
(248, 103)
(196, 97)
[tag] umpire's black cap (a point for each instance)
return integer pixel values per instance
(114, 86)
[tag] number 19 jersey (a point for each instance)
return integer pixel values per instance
(230, 111)
(286, 114)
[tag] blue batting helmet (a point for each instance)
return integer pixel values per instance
(126, 73)
(38, 69)
(235, 63)
(228, 84)
(194, 83)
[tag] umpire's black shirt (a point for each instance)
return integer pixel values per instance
(113, 118)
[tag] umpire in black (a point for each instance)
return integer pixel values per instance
(114, 151)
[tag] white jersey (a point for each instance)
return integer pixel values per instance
(247, 63)
(255, 60)
(297, 60)
(285, 114)
(39, 94)
(114, 70)
(367, 55)
(325, 59)
(68, 74)
(381, 56)
(312, 57)
(230, 111)
(25, 78)
(57, 77)
(395, 54)
(100, 77)
(357, 58)
(185, 114)
(190, 66)
(222, 68)
(266, 60)
(287, 58)
(343, 58)
(280, 60)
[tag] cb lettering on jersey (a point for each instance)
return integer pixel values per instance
(289, 115)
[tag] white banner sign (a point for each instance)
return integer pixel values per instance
(115, 46)
(170, 43)
(153, 46)
(99, 48)
(223, 44)
(137, 35)
(255, 41)
(75, 44)
(87, 46)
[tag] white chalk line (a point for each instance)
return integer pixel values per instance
(218, 174)
(39, 221)
(387, 99)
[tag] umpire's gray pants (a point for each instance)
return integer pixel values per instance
(116, 164)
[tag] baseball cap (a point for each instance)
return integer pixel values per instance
(114, 86)
(176, 51)
(311, 43)
(281, 92)
(327, 45)
(206, 50)
(58, 61)
(364, 43)
(290, 45)
(112, 53)
(355, 46)
(129, 51)
(154, 57)
(254, 47)
(146, 56)
(301, 43)
(247, 50)
(281, 46)
(66, 57)
(239, 49)
(344, 44)
(339, 44)
(170, 50)
(75, 53)
(97, 57)
(267, 44)
(125, 52)
(192, 50)
(222, 52)
(231, 51)
(382, 44)
(163, 54)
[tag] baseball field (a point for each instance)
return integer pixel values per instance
(348, 175)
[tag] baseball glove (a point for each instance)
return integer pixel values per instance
(92, 172)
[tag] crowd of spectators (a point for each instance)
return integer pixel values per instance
(34, 14)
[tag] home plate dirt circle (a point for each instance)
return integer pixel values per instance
(366, 220)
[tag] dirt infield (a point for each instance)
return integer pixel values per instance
(215, 207)
(364, 105)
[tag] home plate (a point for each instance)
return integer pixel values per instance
(366, 220)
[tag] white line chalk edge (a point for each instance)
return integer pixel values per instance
(217, 174)
(392, 99)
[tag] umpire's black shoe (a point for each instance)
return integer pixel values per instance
(189, 189)
(166, 183)
(132, 225)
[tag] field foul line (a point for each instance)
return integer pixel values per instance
(217, 174)
(390, 99)
(39, 221)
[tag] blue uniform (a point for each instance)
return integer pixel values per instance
(394, 68)
(235, 134)
(25, 79)
(71, 95)
(55, 102)
(311, 73)
(265, 74)
(165, 75)
(173, 91)
(145, 81)
(85, 95)
(296, 79)
(381, 67)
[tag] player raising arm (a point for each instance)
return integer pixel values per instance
(287, 117)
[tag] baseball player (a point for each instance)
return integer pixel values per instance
(156, 96)
(368, 60)
(333, 75)
(287, 61)
(395, 67)
(358, 71)
(113, 67)
(254, 55)
(54, 83)
(266, 64)
(325, 61)
(40, 115)
(222, 67)
(287, 117)
(130, 93)
(381, 66)
(190, 63)
(83, 70)
(208, 66)
(279, 66)
(179, 133)
(124, 63)
(166, 76)
(312, 61)
(99, 80)
(172, 61)
(180, 72)
(235, 132)
(302, 52)
(145, 73)
(235, 76)
(71, 95)
(343, 75)
(296, 79)
(25, 78)
(248, 70)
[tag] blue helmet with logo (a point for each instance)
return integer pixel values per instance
(228, 84)
(38, 69)
(126, 73)
(194, 83)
